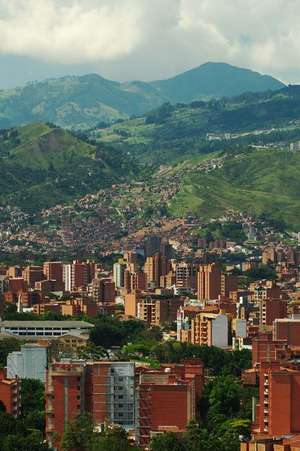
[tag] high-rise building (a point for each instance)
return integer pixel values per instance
(29, 363)
(210, 329)
(134, 281)
(104, 389)
(103, 290)
(158, 309)
(186, 275)
(141, 400)
(167, 400)
(152, 245)
(32, 274)
(54, 271)
(10, 394)
(78, 274)
(155, 267)
(209, 282)
(277, 412)
(271, 309)
(229, 282)
(118, 274)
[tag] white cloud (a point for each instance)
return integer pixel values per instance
(153, 38)
(69, 32)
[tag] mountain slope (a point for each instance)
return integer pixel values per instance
(256, 181)
(42, 166)
(214, 80)
(85, 101)
(177, 132)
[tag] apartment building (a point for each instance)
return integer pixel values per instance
(211, 329)
(277, 412)
(209, 282)
(141, 400)
(10, 394)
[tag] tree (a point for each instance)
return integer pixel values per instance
(113, 439)
(8, 345)
(79, 434)
(167, 442)
(33, 404)
(224, 397)
(2, 407)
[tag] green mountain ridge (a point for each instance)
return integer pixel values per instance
(214, 80)
(173, 133)
(255, 181)
(85, 101)
(42, 165)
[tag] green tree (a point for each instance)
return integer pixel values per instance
(167, 442)
(113, 439)
(79, 435)
(8, 345)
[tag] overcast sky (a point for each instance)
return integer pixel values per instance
(146, 39)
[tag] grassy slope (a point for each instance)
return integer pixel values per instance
(172, 133)
(263, 181)
(42, 166)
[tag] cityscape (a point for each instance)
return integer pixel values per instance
(149, 225)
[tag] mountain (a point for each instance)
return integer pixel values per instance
(173, 133)
(42, 165)
(85, 101)
(254, 181)
(214, 80)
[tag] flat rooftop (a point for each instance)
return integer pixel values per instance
(43, 324)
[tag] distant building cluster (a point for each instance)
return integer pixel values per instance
(204, 301)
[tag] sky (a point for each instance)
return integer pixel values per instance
(145, 39)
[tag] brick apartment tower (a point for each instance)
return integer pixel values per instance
(155, 267)
(10, 394)
(209, 282)
(138, 399)
(54, 271)
(279, 399)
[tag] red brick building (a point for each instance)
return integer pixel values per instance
(209, 282)
(54, 271)
(10, 394)
(271, 309)
(139, 399)
(277, 412)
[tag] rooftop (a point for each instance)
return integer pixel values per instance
(43, 324)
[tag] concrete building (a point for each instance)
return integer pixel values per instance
(210, 329)
(186, 275)
(156, 310)
(78, 274)
(152, 308)
(43, 328)
(29, 363)
(103, 290)
(118, 274)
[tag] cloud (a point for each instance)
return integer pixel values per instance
(70, 31)
(153, 38)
